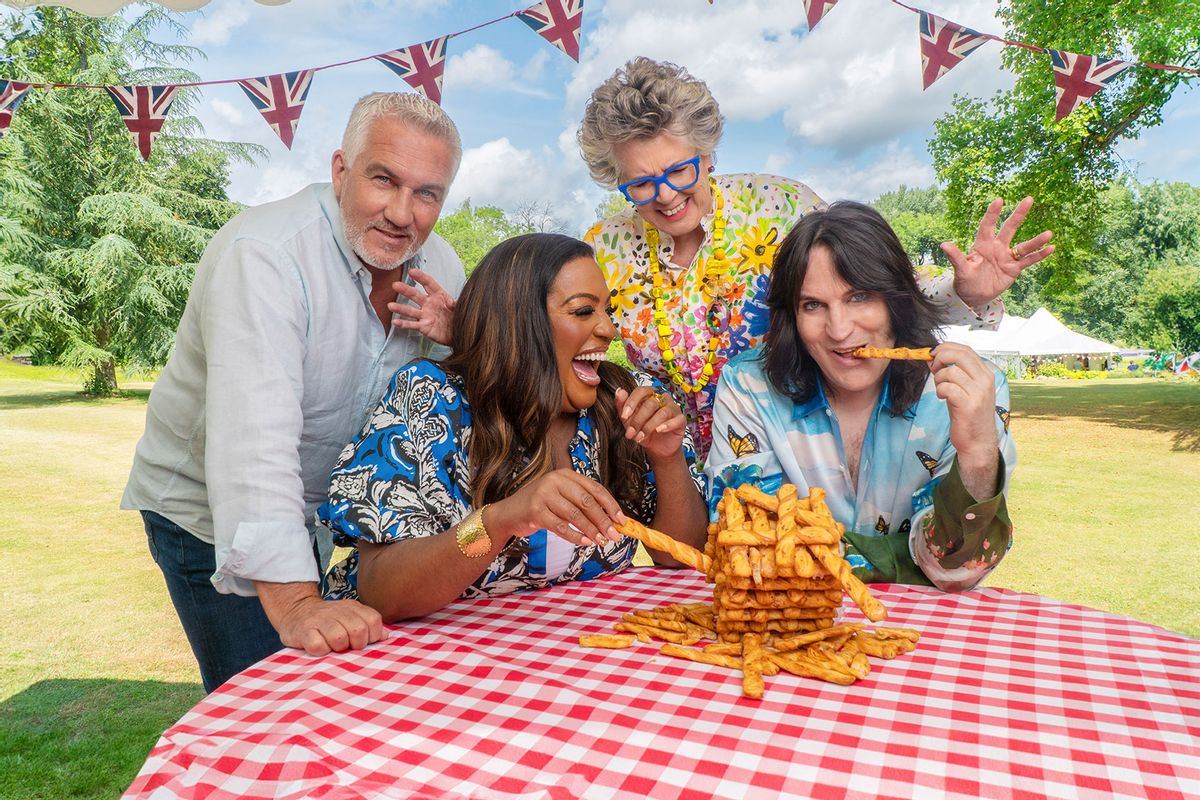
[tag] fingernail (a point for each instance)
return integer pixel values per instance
(641, 436)
(660, 428)
(629, 433)
(613, 535)
(621, 518)
(586, 541)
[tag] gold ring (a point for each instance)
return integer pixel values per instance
(1015, 253)
(660, 399)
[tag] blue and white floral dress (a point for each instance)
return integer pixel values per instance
(408, 474)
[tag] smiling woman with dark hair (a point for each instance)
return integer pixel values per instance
(506, 466)
(915, 456)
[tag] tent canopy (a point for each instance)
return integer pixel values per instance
(1043, 334)
(102, 8)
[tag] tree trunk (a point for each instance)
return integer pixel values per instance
(103, 382)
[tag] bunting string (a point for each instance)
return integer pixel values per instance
(280, 98)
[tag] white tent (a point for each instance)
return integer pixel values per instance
(1043, 334)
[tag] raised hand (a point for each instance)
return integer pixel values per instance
(432, 312)
(653, 420)
(573, 506)
(994, 261)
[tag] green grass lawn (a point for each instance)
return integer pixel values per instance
(95, 666)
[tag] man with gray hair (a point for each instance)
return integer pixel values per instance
(300, 312)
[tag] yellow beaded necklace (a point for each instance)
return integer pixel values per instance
(714, 280)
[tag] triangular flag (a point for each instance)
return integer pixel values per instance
(1076, 78)
(11, 95)
(943, 45)
(420, 65)
(816, 10)
(144, 109)
(280, 99)
(558, 22)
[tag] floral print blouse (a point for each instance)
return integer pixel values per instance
(408, 474)
(759, 211)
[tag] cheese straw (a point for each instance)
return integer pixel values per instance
(657, 540)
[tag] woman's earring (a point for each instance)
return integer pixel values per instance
(711, 169)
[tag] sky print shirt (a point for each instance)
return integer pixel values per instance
(907, 466)
(408, 474)
(759, 212)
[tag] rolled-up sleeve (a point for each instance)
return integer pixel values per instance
(254, 330)
(960, 539)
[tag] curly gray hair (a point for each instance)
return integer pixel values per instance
(410, 108)
(643, 99)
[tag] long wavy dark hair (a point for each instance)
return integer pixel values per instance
(503, 349)
(868, 256)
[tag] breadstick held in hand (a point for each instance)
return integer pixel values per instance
(896, 353)
(657, 540)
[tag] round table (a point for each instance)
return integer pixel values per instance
(1006, 695)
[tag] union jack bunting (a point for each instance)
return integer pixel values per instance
(1076, 78)
(420, 65)
(144, 109)
(815, 10)
(558, 22)
(280, 99)
(11, 95)
(943, 45)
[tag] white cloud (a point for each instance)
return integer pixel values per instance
(227, 112)
(852, 83)
(498, 173)
(479, 67)
(218, 24)
(864, 182)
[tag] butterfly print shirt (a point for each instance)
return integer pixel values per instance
(909, 490)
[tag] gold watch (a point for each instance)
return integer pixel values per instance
(471, 537)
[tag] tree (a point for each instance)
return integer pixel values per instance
(535, 217)
(474, 231)
(1011, 146)
(613, 203)
(100, 247)
(919, 218)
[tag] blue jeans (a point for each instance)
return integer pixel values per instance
(227, 632)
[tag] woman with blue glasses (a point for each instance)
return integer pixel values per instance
(689, 261)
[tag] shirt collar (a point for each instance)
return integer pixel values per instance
(333, 213)
(818, 402)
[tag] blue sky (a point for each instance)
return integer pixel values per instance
(840, 108)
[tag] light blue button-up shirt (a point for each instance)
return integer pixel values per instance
(278, 359)
(762, 437)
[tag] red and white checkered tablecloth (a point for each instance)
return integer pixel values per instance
(1006, 695)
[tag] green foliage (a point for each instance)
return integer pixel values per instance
(472, 231)
(97, 248)
(1167, 317)
(613, 203)
(919, 218)
(1011, 146)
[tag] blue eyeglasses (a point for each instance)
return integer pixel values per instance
(683, 175)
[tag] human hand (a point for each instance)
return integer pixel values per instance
(432, 312)
(305, 621)
(994, 262)
(967, 385)
(653, 420)
(573, 506)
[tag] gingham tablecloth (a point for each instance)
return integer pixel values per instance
(1006, 695)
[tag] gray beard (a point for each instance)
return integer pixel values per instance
(357, 241)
